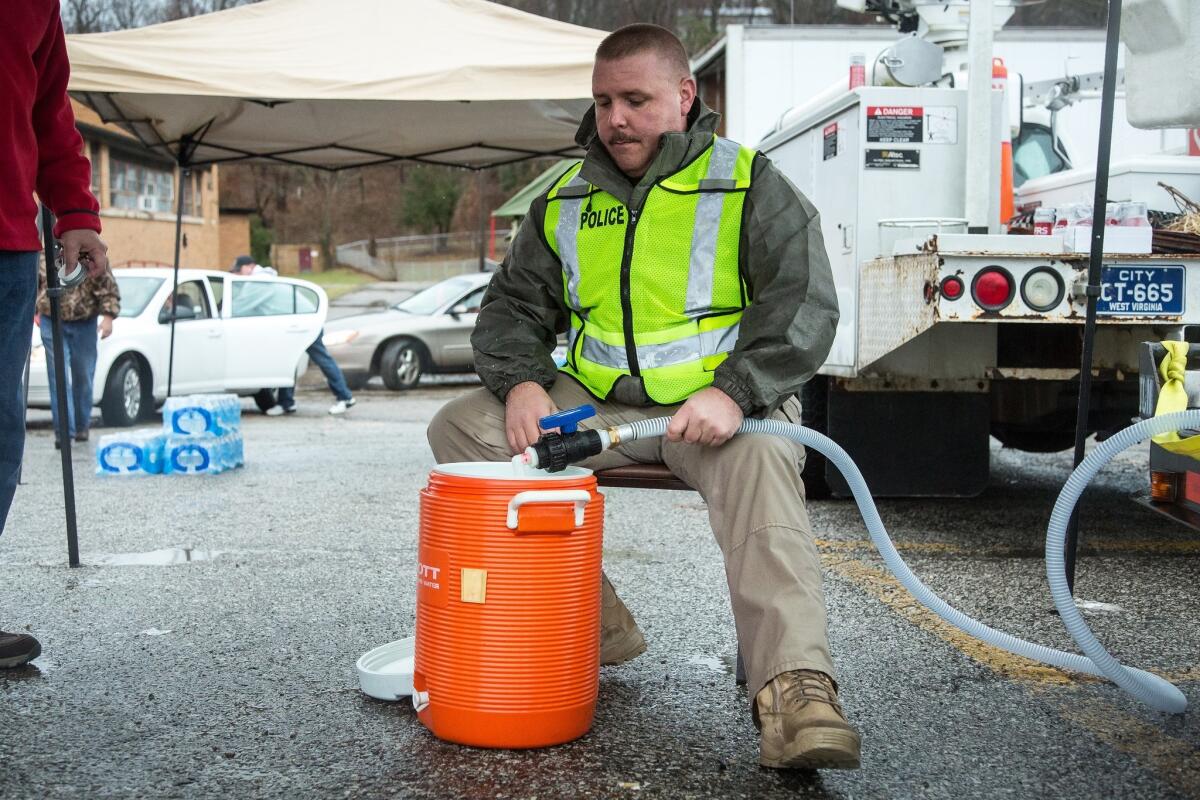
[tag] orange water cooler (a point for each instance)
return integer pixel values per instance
(508, 605)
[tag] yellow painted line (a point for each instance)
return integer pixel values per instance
(866, 545)
(1172, 760)
(1189, 675)
(889, 591)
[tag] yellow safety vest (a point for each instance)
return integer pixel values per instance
(653, 291)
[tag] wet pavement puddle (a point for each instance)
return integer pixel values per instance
(156, 558)
(723, 664)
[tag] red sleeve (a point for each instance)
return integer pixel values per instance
(64, 176)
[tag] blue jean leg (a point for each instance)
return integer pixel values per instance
(18, 290)
(333, 374)
(83, 337)
(46, 329)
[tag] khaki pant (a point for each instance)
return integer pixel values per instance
(755, 504)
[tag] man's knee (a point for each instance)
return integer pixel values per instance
(445, 432)
(468, 428)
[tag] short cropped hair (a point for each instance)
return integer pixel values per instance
(642, 37)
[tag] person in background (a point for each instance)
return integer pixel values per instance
(42, 152)
(86, 310)
(343, 398)
(246, 265)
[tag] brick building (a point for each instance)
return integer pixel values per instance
(136, 188)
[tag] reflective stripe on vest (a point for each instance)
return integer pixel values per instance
(684, 292)
(566, 231)
(704, 235)
(703, 345)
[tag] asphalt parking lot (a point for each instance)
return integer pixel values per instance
(206, 648)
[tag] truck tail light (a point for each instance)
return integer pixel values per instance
(1163, 486)
(952, 287)
(1042, 289)
(992, 288)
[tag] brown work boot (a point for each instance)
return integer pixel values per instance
(802, 724)
(620, 638)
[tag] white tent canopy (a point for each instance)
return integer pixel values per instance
(344, 84)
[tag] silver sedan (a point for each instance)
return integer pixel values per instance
(429, 332)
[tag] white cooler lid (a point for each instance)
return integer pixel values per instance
(503, 470)
(386, 673)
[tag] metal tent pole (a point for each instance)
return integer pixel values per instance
(482, 223)
(1112, 45)
(185, 154)
(54, 292)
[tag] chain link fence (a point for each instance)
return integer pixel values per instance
(425, 258)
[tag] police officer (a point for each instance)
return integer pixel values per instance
(691, 280)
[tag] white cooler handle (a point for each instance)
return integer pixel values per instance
(577, 496)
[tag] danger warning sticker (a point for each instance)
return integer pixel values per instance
(895, 124)
(830, 148)
(893, 159)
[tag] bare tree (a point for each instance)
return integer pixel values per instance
(84, 16)
(182, 9)
(91, 16)
(327, 186)
(124, 14)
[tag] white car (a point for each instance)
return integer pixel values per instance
(233, 333)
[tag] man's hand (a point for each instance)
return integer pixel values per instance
(105, 326)
(709, 417)
(86, 246)
(525, 404)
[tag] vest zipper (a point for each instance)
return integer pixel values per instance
(626, 302)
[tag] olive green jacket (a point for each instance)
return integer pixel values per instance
(785, 333)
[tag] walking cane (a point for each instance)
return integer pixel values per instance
(56, 283)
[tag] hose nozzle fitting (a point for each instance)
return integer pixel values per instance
(555, 451)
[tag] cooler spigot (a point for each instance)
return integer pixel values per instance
(563, 443)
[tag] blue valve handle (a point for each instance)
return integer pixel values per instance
(567, 421)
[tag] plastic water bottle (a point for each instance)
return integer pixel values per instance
(202, 413)
(239, 450)
(203, 454)
(230, 450)
(134, 452)
(190, 455)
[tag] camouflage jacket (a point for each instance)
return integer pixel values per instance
(96, 295)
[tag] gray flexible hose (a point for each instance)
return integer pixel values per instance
(1146, 687)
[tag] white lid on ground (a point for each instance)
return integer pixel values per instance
(386, 673)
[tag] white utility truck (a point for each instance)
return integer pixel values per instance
(754, 74)
(953, 330)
